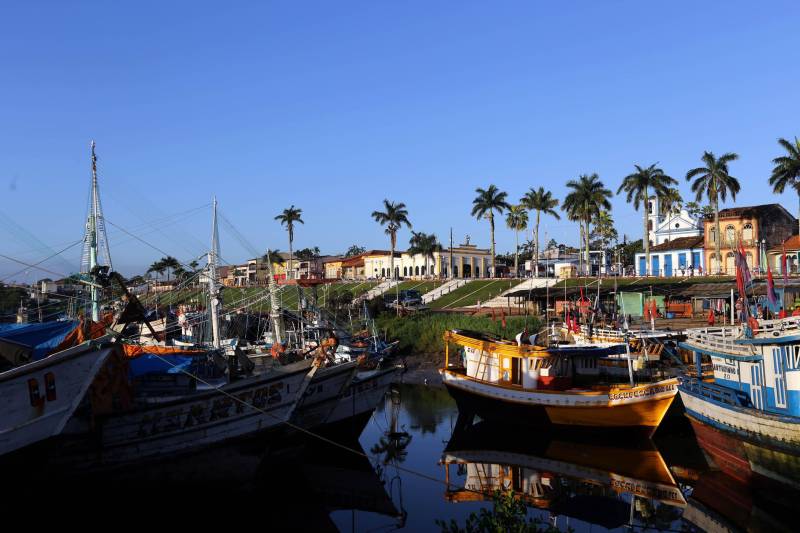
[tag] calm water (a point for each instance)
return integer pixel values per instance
(414, 444)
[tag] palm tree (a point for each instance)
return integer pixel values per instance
(288, 218)
(787, 169)
(517, 220)
(714, 181)
(639, 185)
(542, 202)
(425, 245)
(394, 216)
(157, 267)
(588, 197)
(484, 205)
(170, 265)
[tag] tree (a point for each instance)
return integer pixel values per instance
(170, 264)
(517, 220)
(157, 268)
(638, 187)
(714, 182)
(355, 250)
(787, 169)
(394, 216)
(587, 198)
(484, 205)
(307, 254)
(542, 202)
(289, 218)
(604, 231)
(425, 245)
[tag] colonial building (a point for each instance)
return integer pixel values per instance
(758, 228)
(682, 256)
(663, 226)
(791, 247)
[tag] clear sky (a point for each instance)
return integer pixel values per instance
(333, 106)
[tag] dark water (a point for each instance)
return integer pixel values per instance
(413, 463)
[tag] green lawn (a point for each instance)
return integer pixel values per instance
(421, 286)
(474, 291)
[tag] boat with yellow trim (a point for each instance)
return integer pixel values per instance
(570, 386)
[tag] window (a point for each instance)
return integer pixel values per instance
(711, 235)
(730, 234)
(747, 232)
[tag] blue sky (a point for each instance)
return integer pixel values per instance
(333, 106)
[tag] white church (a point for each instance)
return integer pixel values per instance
(676, 243)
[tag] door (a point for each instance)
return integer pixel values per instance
(695, 259)
(655, 270)
(681, 261)
(668, 265)
(642, 266)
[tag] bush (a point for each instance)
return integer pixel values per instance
(422, 332)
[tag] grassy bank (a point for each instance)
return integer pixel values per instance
(422, 332)
(479, 290)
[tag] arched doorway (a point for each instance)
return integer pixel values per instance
(467, 271)
(730, 264)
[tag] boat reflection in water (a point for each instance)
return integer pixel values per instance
(610, 484)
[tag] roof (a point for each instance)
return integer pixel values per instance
(753, 211)
(791, 244)
(354, 261)
(681, 243)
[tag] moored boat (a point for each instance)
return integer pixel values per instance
(530, 384)
(747, 417)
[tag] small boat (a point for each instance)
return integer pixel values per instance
(530, 384)
(40, 396)
(747, 415)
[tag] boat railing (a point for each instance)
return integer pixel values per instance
(715, 392)
(719, 339)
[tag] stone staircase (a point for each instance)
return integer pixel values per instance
(376, 291)
(441, 290)
(501, 299)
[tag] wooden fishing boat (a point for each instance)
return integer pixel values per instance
(747, 417)
(529, 384)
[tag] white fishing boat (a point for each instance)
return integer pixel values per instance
(39, 397)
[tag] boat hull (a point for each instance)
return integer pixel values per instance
(745, 443)
(38, 398)
(638, 410)
(238, 410)
(322, 394)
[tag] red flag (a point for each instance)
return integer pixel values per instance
(783, 265)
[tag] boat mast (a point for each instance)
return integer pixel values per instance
(213, 285)
(95, 241)
(275, 314)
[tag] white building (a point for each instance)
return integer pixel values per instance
(677, 257)
(663, 227)
(468, 261)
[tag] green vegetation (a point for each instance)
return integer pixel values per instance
(10, 298)
(508, 514)
(422, 332)
(473, 292)
(421, 286)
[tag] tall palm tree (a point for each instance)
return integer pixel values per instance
(394, 216)
(542, 202)
(714, 181)
(170, 265)
(589, 196)
(484, 205)
(787, 169)
(639, 185)
(289, 218)
(517, 220)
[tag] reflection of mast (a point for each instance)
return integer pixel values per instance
(213, 285)
(95, 241)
